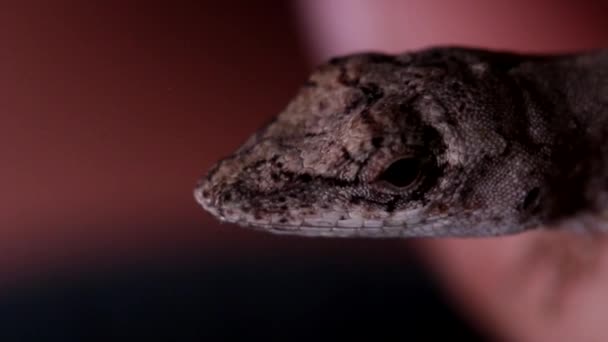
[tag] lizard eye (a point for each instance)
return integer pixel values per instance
(402, 172)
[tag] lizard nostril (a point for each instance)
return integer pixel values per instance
(204, 196)
(226, 197)
(201, 196)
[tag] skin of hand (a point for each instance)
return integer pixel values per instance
(536, 286)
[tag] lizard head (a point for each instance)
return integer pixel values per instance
(389, 146)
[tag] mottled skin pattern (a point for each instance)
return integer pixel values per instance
(441, 142)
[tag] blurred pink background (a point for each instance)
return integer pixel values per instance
(342, 26)
(113, 110)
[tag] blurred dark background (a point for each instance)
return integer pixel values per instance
(112, 110)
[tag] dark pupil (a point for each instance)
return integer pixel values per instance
(402, 172)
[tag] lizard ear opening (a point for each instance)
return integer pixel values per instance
(402, 172)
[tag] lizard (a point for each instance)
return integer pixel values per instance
(445, 141)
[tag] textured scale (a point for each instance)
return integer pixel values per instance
(440, 142)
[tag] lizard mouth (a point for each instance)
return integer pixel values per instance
(333, 232)
(351, 227)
